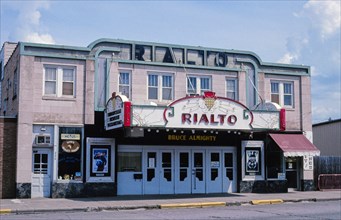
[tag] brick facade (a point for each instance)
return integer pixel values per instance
(8, 152)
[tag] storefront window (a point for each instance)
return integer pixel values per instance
(129, 162)
(274, 164)
(70, 154)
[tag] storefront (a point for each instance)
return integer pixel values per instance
(198, 144)
(184, 120)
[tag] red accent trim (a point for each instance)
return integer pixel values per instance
(282, 123)
(127, 114)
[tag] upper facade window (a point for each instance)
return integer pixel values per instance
(282, 93)
(198, 84)
(59, 81)
(124, 83)
(231, 89)
(160, 86)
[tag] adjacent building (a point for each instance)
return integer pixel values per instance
(125, 117)
(327, 137)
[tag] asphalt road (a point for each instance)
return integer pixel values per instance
(299, 211)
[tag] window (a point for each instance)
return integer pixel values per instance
(129, 161)
(70, 153)
(160, 87)
(198, 85)
(59, 81)
(282, 93)
(231, 89)
(124, 84)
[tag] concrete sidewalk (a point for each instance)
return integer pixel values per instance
(21, 206)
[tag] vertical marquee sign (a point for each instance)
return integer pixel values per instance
(117, 112)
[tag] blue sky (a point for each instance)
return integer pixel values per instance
(293, 32)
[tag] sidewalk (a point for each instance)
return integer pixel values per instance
(21, 206)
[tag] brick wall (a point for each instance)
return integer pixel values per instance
(8, 153)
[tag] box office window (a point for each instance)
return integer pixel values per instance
(70, 153)
(129, 162)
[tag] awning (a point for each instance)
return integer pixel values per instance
(295, 145)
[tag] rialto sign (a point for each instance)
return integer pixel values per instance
(192, 112)
(207, 112)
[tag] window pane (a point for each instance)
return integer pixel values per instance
(129, 162)
(124, 78)
(167, 90)
(205, 83)
(231, 89)
(124, 84)
(274, 88)
(191, 85)
(67, 74)
(124, 90)
(152, 93)
(50, 88)
(50, 74)
(287, 88)
(167, 94)
(152, 80)
(68, 88)
(287, 100)
(275, 98)
(166, 81)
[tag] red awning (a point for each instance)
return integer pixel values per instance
(295, 145)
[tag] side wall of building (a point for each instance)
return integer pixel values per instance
(8, 149)
(327, 138)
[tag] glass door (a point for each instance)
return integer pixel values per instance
(198, 171)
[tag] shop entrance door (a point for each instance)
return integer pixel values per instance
(291, 166)
(198, 171)
(159, 172)
(190, 172)
(41, 172)
(214, 172)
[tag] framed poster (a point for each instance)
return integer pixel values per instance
(253, 160)
(100, 160)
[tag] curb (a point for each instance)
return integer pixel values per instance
(5, 211)
(266, 201)
(192, 205)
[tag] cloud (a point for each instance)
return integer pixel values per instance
(28, 22)
(324, 15)
(39, 38)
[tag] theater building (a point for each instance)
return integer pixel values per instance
(134, 118)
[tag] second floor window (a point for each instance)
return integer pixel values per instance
(59, 81)
(282, 93)
(160, 87)
(198, 85)
(124, 84)
(231, 89)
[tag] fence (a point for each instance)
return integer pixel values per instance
(327, 172)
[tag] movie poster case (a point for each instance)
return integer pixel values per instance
(100, 165)
(253, 160)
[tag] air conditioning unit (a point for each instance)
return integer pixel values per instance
(43, 139)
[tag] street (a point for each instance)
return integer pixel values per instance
(301, 210)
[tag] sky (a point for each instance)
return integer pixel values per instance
(287, 31)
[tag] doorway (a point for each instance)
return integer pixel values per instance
(41, 172)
